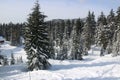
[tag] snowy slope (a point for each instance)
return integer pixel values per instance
(7, 50)
(93, 67)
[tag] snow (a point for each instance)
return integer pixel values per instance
(6, 50)
(1, 38)
(93, 67)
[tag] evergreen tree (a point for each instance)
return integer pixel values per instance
(111, 17)
(93, 27)
(12, 62)
(118, 17)
(68, 28)
(116, 42)
(64, 46)
(19, 60)
(116, 38)
(5, 61)
(1, 58)
(102, 19)
(50, 34)
(36, 40)
(79, 25)
(88, 32)
(112, 27)
(62, 31)
(77, 46)
(102, 33)
(101, 24)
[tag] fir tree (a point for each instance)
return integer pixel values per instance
(5, 61)
(116, 42)
(77, 46)
(12, 62)
(111, 17)
(118, 17)
(36, 40)
(93, 27)
(116, 38)
(68, 25)
(79, 25)
(102, 19)
(88, 32)
(112, 27)
(102, 33)
(101, 24)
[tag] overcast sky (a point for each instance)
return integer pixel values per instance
(18, 10)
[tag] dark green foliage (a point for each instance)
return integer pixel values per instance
(111, 17)
(116, 37)
(12, 59)
(118, 16)
(12, 32)
(79, 25)
(77, 49)
(88, 32)
(5, 61)
(102, 19)
(68, 28)
(101, 30)
(36, 40)
(112, 27)
(104, 38)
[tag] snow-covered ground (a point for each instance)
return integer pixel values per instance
(93, 67)
(7, 50)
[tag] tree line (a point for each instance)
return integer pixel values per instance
(12, 32)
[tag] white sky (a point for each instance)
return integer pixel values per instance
(18, 10)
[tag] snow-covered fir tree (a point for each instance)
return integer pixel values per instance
(5, 61)
(102, 32)
(76, 41)
(12, 61)
(116, 38)
(19, 60)
(112, 27)
(36, 40)
(88, 32)
(101, 22)
(65, 41)
(93, 27)
(116, 42)
(118, 17)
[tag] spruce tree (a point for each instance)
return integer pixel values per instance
(79, 25)
(77, 46)
(102, 33)
(116, 38)
(36, 40)
(93, 27)
(101, 24)
(102, 19)
(111, 30)
(12, 62)
(5, 61)
(116, 42)
(68, 25)
(118, 17)
(88, 32)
